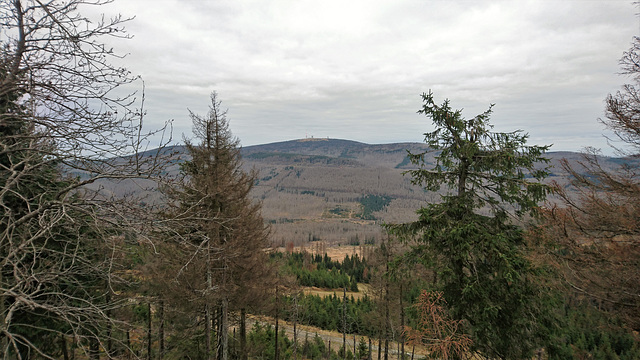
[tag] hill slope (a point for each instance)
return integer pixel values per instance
(338, 191)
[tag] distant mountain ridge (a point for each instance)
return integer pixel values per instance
(350, 149)
(321, 188)
(340, 153)
(351, 153)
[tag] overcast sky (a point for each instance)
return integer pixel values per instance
(288, 69)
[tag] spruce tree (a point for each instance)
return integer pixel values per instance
(63, 131)
(219, 228)
(490, 182)
(52, 273)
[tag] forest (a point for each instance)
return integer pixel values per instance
(500, 263)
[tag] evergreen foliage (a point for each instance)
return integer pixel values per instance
(321, 271)
(371, 204)
(363, 349)
(261, 342)
(589, 334)
(322, 312)
(479, 254)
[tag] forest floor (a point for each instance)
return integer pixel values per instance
(334, 339)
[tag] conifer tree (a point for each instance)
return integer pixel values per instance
(28, 181)
(490, 182)
(62, 130)
(219, 228)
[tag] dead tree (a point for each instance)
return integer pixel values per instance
(216, 229)
(596, 219)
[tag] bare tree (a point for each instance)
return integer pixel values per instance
(63, 130)
(597, 220)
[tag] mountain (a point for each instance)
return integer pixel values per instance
(334, 190)
(333, 152)
(338, 191)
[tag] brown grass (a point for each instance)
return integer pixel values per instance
(335, 252)
(363, 290)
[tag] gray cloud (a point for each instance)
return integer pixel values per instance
(287, 69)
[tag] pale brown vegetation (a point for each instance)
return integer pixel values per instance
(596, 224)
(440, 334)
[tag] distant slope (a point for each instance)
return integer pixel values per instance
(384, 155)
(323, 189)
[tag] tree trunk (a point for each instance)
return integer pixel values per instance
(73, 348)
(129, 351)
(277, 354)
(3, 322)
(386, 310)
(243, 334)
(65, 350)
(216, 323)
(161, 329)
(225, 329)
(462, 180)
(401, 322)
(207, 332)
(354, 345)
(109, 348)
(295, 330)
(386, 349)
(344, 322)
(94, 349)
(149, 333)
(207, 309)
(369, 349)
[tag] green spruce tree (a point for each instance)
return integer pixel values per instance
(490, 182)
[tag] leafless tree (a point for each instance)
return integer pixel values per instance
(597, 220)
(66, 124)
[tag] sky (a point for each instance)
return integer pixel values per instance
(290, 69)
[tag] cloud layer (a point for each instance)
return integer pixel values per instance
(293, 68)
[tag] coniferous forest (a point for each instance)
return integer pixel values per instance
(503, 263)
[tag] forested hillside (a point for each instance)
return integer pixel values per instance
(473, 245)
(336, 190)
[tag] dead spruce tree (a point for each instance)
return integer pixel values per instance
(218, 232)
(61, 131)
